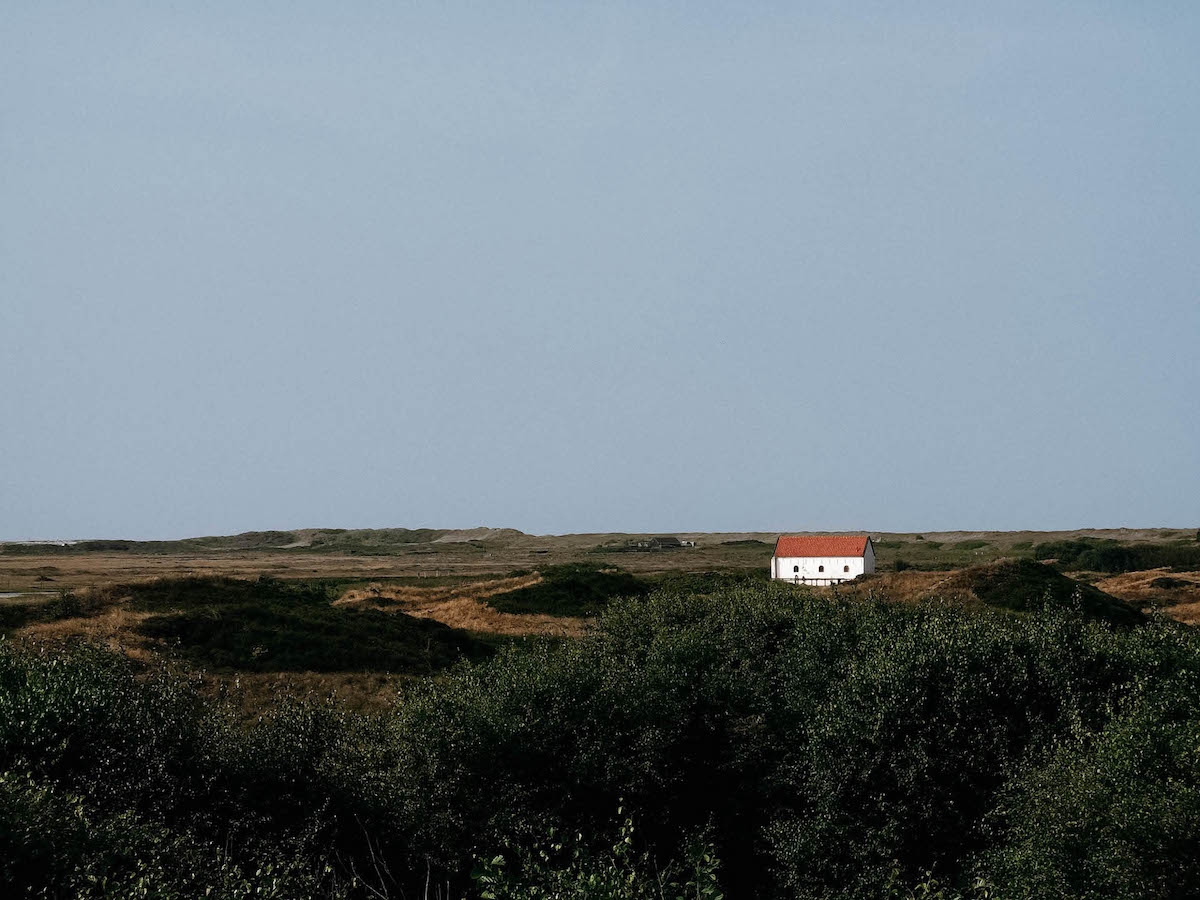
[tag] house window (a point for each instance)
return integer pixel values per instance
(845, 568)
(795, 568)
(820, 568)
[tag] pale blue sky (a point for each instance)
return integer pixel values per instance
(591, 267)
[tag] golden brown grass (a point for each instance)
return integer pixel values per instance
(496, 555)
(900, 587)
(464, 606)
(109, 621)
(1180, 601)
(112, 623)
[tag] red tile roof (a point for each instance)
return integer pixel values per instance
(821, 545)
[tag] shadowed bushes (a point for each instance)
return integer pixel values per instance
(1097, 555)
(268, 625)
(1023, 585)
(572, 589)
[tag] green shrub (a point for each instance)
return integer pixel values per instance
(1113, 812)
(269, 625)
(52, 844)
(821, 741)
(571, 589)
(822, 747)
(1099, 555)
(567, 868)
(118, 785)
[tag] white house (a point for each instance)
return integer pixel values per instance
(822, 559)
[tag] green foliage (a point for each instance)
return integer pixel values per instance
(1099, 555)
(930, 887)
(1024, 584)
(1114, 812)
(563, 869)
(821, 741)
(709, 582)
(971, 545)
(819, 747)
(34, 608)
(117, 786)
(269, 625)
(51, 842)
(572, 589)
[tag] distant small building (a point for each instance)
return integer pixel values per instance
(822, 559)
(658, 542)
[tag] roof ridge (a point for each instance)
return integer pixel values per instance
(821, 545)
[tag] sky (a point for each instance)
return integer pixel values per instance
(620, 266)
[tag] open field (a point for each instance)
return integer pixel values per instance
(369, 554)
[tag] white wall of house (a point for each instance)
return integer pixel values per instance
(822, 569)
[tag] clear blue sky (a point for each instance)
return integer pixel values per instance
(609, 266)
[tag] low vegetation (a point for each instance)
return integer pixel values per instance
(1094, 555)
(573, 589)
(750, 740)
(267, 625)
(1022, 585)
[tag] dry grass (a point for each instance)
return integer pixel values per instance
(115, 628)
(901, 587)
(1187, 613)
(1180, 600)
(476, 552)
(464, 607)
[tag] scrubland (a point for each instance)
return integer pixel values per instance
(1009, 729)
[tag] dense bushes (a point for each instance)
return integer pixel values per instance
(118, 785)
(268, 625)
(1114, 812)
(571, 589)
(1023, 585)
(823, 744)
(1096, 555)
(816, 748)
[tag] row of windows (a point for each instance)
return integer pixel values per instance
(820, 568)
